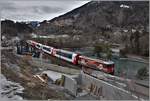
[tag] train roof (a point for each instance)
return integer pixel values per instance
(98, 60)
(31, 41)
(47, 46)
(66, 51)
(108, 62)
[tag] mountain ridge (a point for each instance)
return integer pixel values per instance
(121, 22)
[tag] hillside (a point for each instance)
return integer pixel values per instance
(95, 16)
(11, 29)
(121, 22)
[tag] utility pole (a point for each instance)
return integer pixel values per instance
(41, 56)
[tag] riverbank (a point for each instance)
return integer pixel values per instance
(138, 58)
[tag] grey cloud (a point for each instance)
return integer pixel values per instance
(6, 6)
(47, 9)
(36, 10)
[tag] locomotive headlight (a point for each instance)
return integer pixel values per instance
(100, 66)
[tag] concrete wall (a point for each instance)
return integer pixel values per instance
(70, 84)
(42, 63)
(105, 90)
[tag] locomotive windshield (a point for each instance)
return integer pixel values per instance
(109, 65)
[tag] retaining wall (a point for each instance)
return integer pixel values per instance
(105, 90)
(53, 67)
(70, 84)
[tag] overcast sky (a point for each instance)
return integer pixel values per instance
(37, 10)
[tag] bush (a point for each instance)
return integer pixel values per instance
(123, 52)
(98, 48)
(142, 73)
(103, 48)
(109, 55)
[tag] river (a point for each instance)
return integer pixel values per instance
(125, 67)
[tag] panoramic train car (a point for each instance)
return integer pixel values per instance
(34, 44)
(66, 55)
(38, 46)
(105, 66)
(47, 49)
(30, 42)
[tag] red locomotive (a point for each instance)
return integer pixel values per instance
(105, 66)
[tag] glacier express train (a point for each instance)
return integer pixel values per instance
(74, 58)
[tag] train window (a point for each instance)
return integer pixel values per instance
(47, 49)
(64, 54)
(38, 45)
(69, 56)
